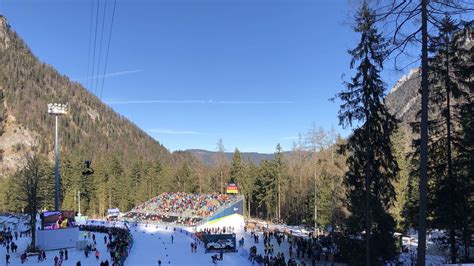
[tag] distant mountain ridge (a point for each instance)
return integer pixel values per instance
(209, 157)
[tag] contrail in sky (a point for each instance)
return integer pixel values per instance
(173, 132)
(112, 74)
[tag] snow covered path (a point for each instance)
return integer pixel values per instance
(153, 244)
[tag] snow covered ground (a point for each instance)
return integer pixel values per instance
(153, 243)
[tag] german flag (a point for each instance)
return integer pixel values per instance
(232, 188)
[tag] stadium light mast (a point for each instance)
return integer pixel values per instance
(57, 109)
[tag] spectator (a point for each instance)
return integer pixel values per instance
(179, 207)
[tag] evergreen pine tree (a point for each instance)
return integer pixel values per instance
(447, 203)
(266, 188)
(401, 185)
(136, 179)
(247, 183)
(442, 142)
(372, 167)
(279, 165)
(465, 163)
(237, 169)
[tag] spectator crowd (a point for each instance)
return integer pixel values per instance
(179, 207)
(313, 248)
(119, 241)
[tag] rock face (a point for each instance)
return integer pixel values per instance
(403, 101)
(14, 142)
(4, 27)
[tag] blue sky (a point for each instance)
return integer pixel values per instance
(252, 72)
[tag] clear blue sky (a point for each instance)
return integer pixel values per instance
(252, 72)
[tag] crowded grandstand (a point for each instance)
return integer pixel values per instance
(181, 208)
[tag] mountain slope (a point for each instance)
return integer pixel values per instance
(403, 101)
(90, 130)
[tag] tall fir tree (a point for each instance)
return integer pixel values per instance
(136, 177)
(236, 169)
(447, 98)
(400, 144)
(465, 162)
(266, 188)
(247, 184)
(372, 166)
(280, 174)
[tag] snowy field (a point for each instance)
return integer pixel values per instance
(153, 243)
(150, 245)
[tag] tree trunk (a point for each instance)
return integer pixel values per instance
(200, 184)
(222, 184)
(33, 230)
(279, 199)
(421, 252)
(368, 163)
(248, 203)
(368, 172)
(315, 202)
(452, 229)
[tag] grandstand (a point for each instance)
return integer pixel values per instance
(180, 208)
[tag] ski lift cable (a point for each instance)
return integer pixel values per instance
(95, 45)
(88, 81)
(100, 45)
(108, 49)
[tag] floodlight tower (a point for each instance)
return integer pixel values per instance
(57, 109)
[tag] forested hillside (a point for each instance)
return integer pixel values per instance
(129, 165)
(90, 130)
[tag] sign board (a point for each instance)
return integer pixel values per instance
(232, 188)
(113, 212)
(57, 239)
(57, 219)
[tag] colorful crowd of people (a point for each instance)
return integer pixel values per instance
(313, 248)
(179, 207)
(218, 230)
(119, 241)
(6, 239)
(159, 218)
(58, 260)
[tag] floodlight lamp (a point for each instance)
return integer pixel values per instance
(57, 108)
